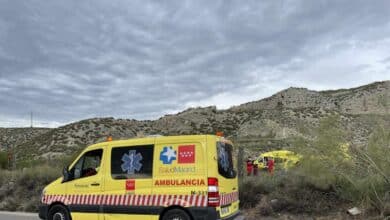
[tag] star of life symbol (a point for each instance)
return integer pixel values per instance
(223, 158)
(168, 155)
(131, 162)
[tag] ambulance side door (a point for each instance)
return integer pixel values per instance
(128, 183)
(86, 184)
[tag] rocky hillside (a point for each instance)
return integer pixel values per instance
(260, 125)
(11, 137)
(368, 99)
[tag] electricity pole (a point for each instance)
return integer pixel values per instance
(31, 119)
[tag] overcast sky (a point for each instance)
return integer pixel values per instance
(72, 60)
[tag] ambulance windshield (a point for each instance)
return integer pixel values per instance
(225, 160)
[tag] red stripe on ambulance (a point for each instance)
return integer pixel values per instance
(137, 200)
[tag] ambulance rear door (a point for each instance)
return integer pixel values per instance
(227, 179)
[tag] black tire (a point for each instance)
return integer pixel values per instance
(176, 214)
(58, 212)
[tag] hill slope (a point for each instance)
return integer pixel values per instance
(267, 123)
(368, 99)
(11, 137)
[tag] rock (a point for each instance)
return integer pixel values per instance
(274, 201)
(354, 211)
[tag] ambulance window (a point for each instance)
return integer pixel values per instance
(278, 160)
(87, 165)
(133, 162)
(225, 160)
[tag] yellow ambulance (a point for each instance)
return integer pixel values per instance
(159, 178)
(283, 159)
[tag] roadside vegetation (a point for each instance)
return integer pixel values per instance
(3, 160)
(20, 189)
(333, 175)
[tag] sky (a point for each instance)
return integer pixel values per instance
(70, 60)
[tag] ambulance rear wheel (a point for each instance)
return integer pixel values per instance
(176, 214)
(58, 212)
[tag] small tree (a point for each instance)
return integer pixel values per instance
(325, 159)
(372, 184)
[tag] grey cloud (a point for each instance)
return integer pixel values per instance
(69, 60)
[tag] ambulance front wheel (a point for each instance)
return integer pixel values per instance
(176, 214)
(58, 212)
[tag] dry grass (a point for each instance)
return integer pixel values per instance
(20, 190)
(286, 192)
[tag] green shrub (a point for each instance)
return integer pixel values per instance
(3, 160)
(357, 174)
(369, 180)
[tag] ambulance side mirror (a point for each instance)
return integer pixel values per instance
(233, 173)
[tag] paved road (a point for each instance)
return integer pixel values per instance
(18, 216)
(25, 216)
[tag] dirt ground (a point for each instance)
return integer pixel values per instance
(254, 215)
(330, 216)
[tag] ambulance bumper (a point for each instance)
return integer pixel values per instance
(43, 209)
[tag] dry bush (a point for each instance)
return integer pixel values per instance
(250, 193)
(20, 190)
(10, 204)
(264, 207)
(289, 191)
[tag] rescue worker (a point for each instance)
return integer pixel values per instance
(271, 165)
(94, 169)
(255, 167)
(249, 165)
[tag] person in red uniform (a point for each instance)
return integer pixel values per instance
(255, 167)
(271, 165)
(249, 166)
